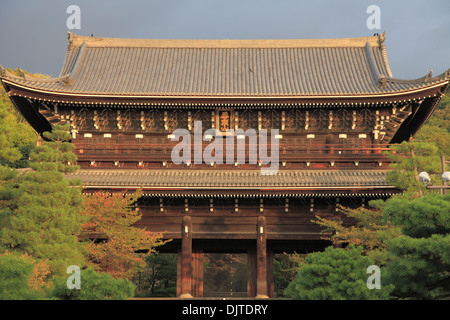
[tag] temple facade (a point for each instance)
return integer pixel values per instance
(328, 109)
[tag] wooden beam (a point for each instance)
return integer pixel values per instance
(186, 258)
(261, 258)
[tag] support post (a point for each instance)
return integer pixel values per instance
(186, 257)
(197, 279)
(178, 272)
(251, 278)
(261, 258)
(270, 273)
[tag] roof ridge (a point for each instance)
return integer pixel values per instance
(426, 78)
(4, 73)
(76, 41)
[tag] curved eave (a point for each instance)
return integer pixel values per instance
(268, 189)
(89, 98)
(419, 118)
(309, 192)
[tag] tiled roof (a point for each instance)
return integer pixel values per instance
(230, 179)
(221, 68)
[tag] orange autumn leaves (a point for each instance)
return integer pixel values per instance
(109, 220)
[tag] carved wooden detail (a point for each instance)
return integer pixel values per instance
(128, 120)
(82, 119)
(202, 115)
(248, 119)
(365, 118)
(152, 120)
(105, 119)
(370, 120)
(270, 119)
(319, 120)
(295, 120)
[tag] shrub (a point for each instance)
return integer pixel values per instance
(21, 277)
(335, 274)
(94, 286)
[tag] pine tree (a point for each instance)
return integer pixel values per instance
(420, 258)
(46, 221)
(408, 160)
(335, 274)
(17, 137)
(371, 231)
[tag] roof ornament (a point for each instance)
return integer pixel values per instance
(66, 81)
(2, 71)
(381, 38)
(429, 76)
(382, 81)
(447, 74)
(21, 73)
(70, 37)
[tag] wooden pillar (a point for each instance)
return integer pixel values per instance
(261, 258)
(270, 273)
(251, 278)
(197, 279)
(186, 258)
(178, 272)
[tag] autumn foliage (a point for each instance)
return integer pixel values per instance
(23, 277)
(110, 219)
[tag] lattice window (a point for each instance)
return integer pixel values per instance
(82, 120)
(270, 119)
(202, 115)
(342, 120)
(128, 120)
(295, 120)
(365, 119)
(175, 119)
(248, 119)
(319, 120)
(152, 120)
(105, 119)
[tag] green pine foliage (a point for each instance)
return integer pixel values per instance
(9, 193)
(55, 154)
(17, 138)
(437, 129)
(15, 274)
(8, 152)
(408, 160)
(45, 222)
(420, 259)
(94, 286)
(420, 217)
(335, 274)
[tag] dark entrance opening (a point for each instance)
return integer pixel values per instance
(225, 275)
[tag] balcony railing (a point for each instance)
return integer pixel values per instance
(288, 152)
